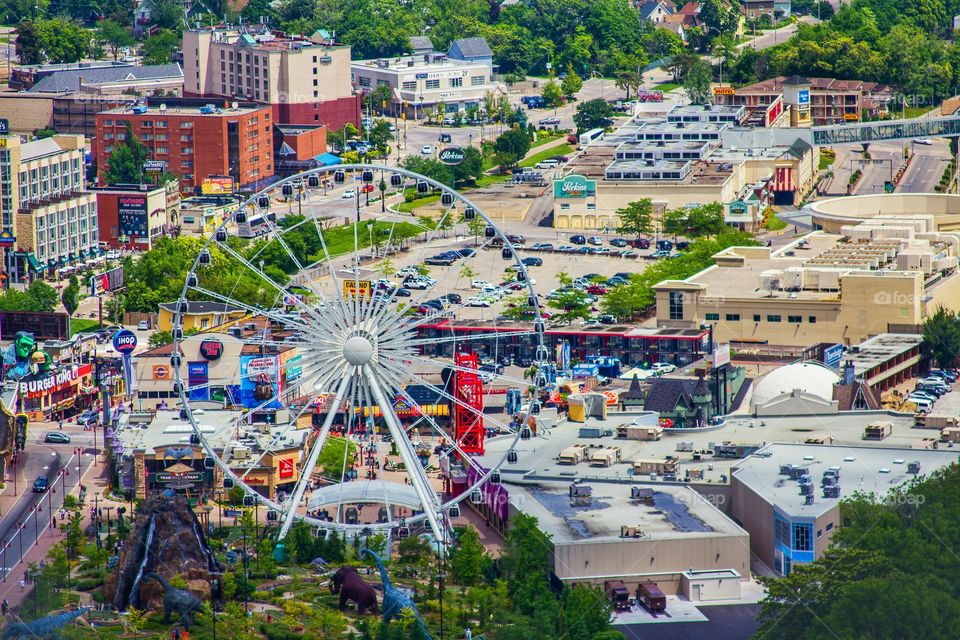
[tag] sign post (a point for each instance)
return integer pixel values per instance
(125, 342)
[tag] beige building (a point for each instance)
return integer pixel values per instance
(305, 80)
(44, 205)
(883, 274)
(791, 525)
(629, 537)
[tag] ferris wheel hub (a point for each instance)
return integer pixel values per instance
(358, 350)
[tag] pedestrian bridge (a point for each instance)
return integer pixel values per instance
(941, 127)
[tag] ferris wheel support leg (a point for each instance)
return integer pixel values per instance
(297, 496)
(418, 477)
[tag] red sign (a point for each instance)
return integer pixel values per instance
(286, 468)
(211, 349)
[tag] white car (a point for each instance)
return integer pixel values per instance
(408, 271)
(416, 284)
(349, 193)
(550, 163)
(426, 149)
(477, 301)
(479, 284)
(924, 141)
(661, 368)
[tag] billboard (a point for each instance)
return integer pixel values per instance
(132, 216)
(721, 356)
(217, 185)
(574, 186)
(197, 378)
(352, 287)
(724, 91)
(803, 96)
(111, 280)
(832, 355)
(259, 382)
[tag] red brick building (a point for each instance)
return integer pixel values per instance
(195, 138)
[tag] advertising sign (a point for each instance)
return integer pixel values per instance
(803, 96)
(197, 378)
(161, 372)
(738, 207)
(286, 468)
(35, 388)
(354, 287)
(574, 186)
(721, 356)
(107, 281)
(132, 216)
(125, 341)
(211, 349)
(724, 91)
(832, 355)
(7, 239)
(259, 382)
(217, 185)
(451, 155)
(154, 166)
(4, 126)
(293, 368)
(192, 476)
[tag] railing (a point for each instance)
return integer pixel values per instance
(885, 130)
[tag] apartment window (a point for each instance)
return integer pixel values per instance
(314, 62)
(108, 123)
(795, 319)
(314, 70)
(733, 317)
(676, 305)
(314, 82)
(829, 527)
(756, 317)
(456, 82)
(161, 124)
(812, 319)
(187, 151)
(363, 81)
(432, 84)
(186, 164)
(476, 81)
(801, 537)
(161, 136)
(186, 125)
(221, 54)
(315, 95)
(773, 318)
(819, 533)
(223, 66)
(121, 136)
(186, 138)
(160, 150)
(108, 136)
(713, 316)
(266, 87)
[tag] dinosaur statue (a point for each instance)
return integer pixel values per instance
(42, 627)
(394, 600)
(348, 583)
(177, 600)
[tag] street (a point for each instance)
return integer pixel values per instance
(928, 164)
(775, 36)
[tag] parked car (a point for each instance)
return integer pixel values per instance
(661, 368)
(607, 318)
(349, 193)
(532, 261)
(923, 141)
(542, 246)
(479, 284)
(143, 325)
(367, 188)
(945, 374)
(452, 298)
(549, 122)
(426, 149)
(550, 163)
(57, 437)
(477, 301)
(578, 239)
(597, 290)
(566, 248)
(87, 418)
(618, 242)
(445, 138)
(595, 241)
(402, 293)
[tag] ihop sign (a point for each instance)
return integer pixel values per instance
(574, 186)
(125, 342)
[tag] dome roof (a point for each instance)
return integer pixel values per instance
(809, 377)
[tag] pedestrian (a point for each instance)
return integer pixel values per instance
(5, 606)
(23, 584)
(61, 425)
(468, 633)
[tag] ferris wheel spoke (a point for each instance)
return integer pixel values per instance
(350, 418)
(255, 311)
(456, 367)
(418, 342)
(418, 478)
(307, 473)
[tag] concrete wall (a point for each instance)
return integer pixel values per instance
(708, 586)
(833, 213)
(754, 514)
(26, 112)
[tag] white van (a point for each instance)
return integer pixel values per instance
(923, 405)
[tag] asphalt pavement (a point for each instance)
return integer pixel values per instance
(925, 169)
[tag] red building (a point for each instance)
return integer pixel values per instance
(135, 216)
(194, 139)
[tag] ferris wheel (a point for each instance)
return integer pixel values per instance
(371, 330)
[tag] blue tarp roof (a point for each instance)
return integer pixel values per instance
(327, 159)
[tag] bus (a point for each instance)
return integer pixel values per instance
(590, 136)
(255, 226)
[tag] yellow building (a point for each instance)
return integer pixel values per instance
(199, 315)
(884, 275)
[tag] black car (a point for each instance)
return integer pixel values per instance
(578, 239)
(465, 253)
(402, 293)
(434, 304)
(618, 242)
(683, 245)
(40, 485)
(523, 361)
(452, 298)
(533, 261)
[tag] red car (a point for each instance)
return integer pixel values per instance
(367, 188)
(596, 290)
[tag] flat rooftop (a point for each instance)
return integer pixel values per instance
(628, 330)
(675, 512)
(175, 109)
(539, 454)
(405, 64)
(660, 126)
(880, 349)
(705, 111)
(865, 469)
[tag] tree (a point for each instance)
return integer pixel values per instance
(510, 147)
(386, 268)
(159, 339)
(166, 14)
(71, 296)
(57, 40)
(636, 218)
(256, 9)
(380, 97)
(336, 453)
(469, 559)
(572, 84)
(125, 164)
(593, 114)
(380, 135)
(29, 44)
(551, 93)
(702, 220)
(586, 611)
(114, 35)
(941, 336)
(697, 81)
(160, 47)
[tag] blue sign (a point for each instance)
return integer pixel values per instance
(125, 341)
(803, 96)
(197, 377)
(832, 355)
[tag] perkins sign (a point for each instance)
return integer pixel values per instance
(574, 186)
(451, 155)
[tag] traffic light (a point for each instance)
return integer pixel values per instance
(21, 421)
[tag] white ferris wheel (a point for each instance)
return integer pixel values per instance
(369, 349)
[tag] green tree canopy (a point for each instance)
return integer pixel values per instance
(941, 337)
(593, 114)
(551, 93)
(125, 163)
(160, 47)
(571, 84)
(636, 218)
(693, 222)
(113, 35)
(511, 146)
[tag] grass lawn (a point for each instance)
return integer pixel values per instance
(773, 223)
(542, 141)
(79, 325)
(559, 150)
(667, 86)
(408, 207)
(490, 179)
(826, 161)
(340, 240)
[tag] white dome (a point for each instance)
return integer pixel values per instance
(809, 377)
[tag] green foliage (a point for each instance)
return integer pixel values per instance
(39, 296)
(57, 40)
(586, 611)
(71, 296)
(526, 563)
(593, 114)
(333, 456)
(125, 164)
(694, 222)
(636, 218)
(696, 82)
(552, 94)
(160, 47)
(571, 85)
(469, 561)
(511, 146)
(634, 298)
(941, 337)
(159, 339)
(114, 35)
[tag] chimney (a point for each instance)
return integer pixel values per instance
(80, 84)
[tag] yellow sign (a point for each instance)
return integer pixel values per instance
(217, 185)
(723, 91)
(352, 287)
(851, 116)
(3, 143)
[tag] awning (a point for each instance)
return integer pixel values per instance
(35, 265)
(62, 261)
(83, 254)
(51, 264)
(327, 159)
(71, 257)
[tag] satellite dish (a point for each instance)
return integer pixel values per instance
(163, 107)
(234, 105)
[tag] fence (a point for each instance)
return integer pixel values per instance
(34, 519)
